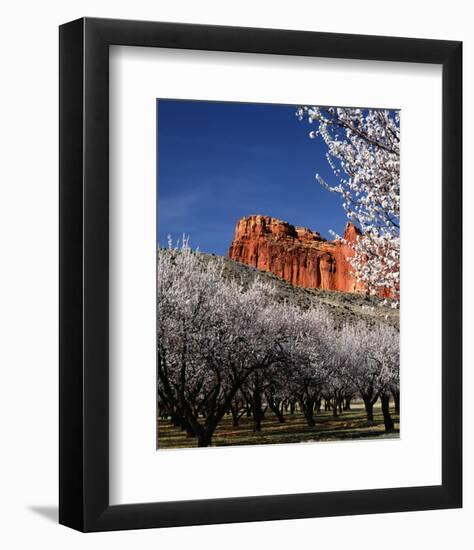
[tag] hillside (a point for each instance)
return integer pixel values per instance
(343, 305)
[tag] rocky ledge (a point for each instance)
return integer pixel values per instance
(296, 254)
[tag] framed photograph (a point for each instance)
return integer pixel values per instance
(260, 274)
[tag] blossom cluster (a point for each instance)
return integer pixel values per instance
(363, 151)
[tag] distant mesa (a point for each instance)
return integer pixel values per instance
(296, 254)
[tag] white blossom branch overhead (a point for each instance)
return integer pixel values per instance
(363, 151)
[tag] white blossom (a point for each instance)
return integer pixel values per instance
(222, 343)
(363, 151)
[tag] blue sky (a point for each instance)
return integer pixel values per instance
(218, 162)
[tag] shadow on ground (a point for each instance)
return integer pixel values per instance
(48, 512)
(348, 425)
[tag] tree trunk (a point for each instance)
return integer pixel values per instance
(235, 416)
(347, 404)
(308, 411)
(387, 419)
(204, 439)
(274, 406)
(369, 409)
(175, 420)
(257, 423)
(257, 412)
(396, 398)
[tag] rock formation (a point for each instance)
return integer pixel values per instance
(296, 254)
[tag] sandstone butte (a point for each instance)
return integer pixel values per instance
(296, 254)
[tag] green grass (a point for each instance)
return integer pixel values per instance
(349, 425)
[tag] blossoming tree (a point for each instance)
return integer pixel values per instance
(363, 151)
(225, 347)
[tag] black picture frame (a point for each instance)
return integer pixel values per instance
(84, 274)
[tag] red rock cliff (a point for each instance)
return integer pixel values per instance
(296, 254)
